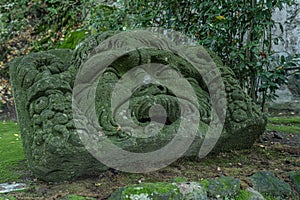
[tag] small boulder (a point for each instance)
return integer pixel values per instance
(267, 183)
(161, 191)
(295, 177)
(224, 186)
(254, 195)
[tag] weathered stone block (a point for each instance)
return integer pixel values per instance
(43, 86)
(267, 183)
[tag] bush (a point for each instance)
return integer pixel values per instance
(239, 31)
(32, 25)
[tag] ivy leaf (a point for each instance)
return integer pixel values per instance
(269, 3)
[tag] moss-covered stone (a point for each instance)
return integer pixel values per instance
(253, 195)
(295, 177)
(222, 187)
(43, 85)
(268, 184)
(192, 190)
(161, 191)
(147, 191)
(43, 101)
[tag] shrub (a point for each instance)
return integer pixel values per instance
(239, 31)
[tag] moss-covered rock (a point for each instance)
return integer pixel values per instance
(295, 177)
(268, 184)
(43, 96)
(43, 85)
(250, 194)
(222, 187)
(161, 191)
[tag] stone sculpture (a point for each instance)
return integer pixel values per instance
(43, 84)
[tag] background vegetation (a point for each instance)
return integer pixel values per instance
(239, 31)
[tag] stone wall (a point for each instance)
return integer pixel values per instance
(289, 17)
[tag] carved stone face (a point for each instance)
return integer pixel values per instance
(141, 100)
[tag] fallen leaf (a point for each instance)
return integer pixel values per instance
(221, 17)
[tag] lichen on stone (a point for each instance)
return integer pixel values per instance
(43, 85)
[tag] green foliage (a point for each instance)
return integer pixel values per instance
(57, 12)
(239, 31)
(11, 152)
(33, 25)
(57, 18)
(46, 19)
(12, 18)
